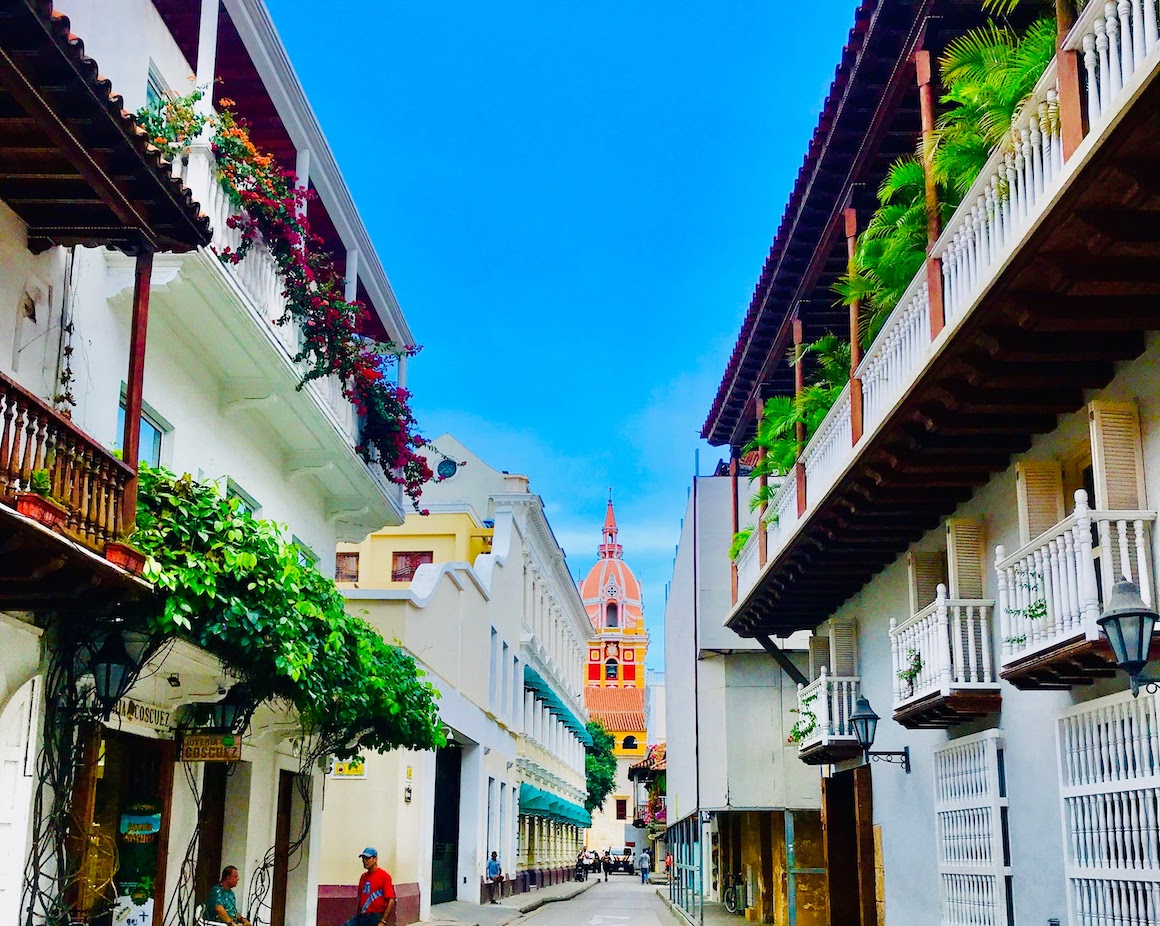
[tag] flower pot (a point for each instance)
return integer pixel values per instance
(41, 509)
(127, 557)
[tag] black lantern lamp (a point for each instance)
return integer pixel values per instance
(113, 670)
(865, 724)
(232, 712)
(1128, 624)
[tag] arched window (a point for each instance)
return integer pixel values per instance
(611, 615)
(630, 742)
(611, 670)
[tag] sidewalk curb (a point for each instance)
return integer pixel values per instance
(676, 912)
(538, 902)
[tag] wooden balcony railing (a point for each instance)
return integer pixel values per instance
(85, 478)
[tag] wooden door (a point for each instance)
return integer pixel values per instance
(282, 848)
(211, 827)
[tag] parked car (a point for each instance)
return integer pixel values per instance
(623, 859)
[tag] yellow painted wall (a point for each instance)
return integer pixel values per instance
(450, 537)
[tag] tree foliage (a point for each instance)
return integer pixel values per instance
(235, 586)
(599, 766)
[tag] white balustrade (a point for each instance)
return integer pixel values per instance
(829, 700)
(947, 645)
(783, 515)
(1008, 194)
(748, 566)
(258, 277)
(1109, 777)
(1054, 588)
(829, 449)
(1114, 40)
(898, 352)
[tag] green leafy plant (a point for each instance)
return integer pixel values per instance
(40, 483)
(807, 721)
(913, 668)
(599, 766)
(233, 585)
(739, 540)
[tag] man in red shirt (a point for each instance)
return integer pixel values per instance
(376, 893)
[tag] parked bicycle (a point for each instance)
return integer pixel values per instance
(734, 896)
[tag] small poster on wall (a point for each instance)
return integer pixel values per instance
(348, 768)
(137, 834)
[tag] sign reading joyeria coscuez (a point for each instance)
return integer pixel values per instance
(211, 747)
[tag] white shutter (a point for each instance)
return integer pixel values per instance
(1117, 459)
(843, 648)
(926, 572)
(966, 557)
(819, 655)
(1040, 487)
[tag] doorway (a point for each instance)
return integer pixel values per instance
(445, 841)
(211, 827)
(849, 847)
(17, 776)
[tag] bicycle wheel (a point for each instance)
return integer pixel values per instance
(731, 899)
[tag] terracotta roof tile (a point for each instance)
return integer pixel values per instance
(620, 709)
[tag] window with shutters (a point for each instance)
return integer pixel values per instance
(1039, 485)
(1109, 783)
(346, 567)
(819, 655)
(403, 565)
(926, 572)
(843, 648)
(972, 832)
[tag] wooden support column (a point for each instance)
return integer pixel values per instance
(799, 384)
(735, 503)
(851, 217)
(762, 485)
(864, 841)
(1071, 127)
(933, 220)
(131, 439)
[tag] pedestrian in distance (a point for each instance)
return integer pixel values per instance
(606, 863)
(376, 893)
(222, 906)
(644, 862)
(495, 876)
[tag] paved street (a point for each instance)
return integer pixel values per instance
(622, 901)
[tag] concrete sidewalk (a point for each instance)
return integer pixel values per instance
(461, 913)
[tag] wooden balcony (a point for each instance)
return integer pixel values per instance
(1052, 591)
(48, 565)
(824, 709)
(943, 665)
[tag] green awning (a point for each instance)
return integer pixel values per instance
(535, 802)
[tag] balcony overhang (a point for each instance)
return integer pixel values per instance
(73, 164)
(941, 710)
(42, 571)
(1075, 299)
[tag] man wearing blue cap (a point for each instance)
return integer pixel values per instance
(376, 893)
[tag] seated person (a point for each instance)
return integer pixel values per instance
(222, 906)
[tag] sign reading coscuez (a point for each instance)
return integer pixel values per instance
(210, 747)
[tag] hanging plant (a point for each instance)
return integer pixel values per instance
(272, 211)
(234, 585)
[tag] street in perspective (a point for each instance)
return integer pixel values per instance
(608, 464)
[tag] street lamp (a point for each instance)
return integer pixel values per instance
(230, 712)
(113, 670)
(1128, 624)
(865, 724)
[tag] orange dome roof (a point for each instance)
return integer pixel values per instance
(611, 580)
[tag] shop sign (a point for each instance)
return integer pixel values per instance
(211, 747)
(138, 711)
(351, 768)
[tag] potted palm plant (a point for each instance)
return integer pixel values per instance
(37, 502)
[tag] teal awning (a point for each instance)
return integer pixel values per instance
(535, 802)
(534, 681)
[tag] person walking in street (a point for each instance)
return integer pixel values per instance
(376, 893)
(606, 863)
(495, 876)
(222, 906)
(644, 862)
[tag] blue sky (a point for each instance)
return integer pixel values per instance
(573, 203)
